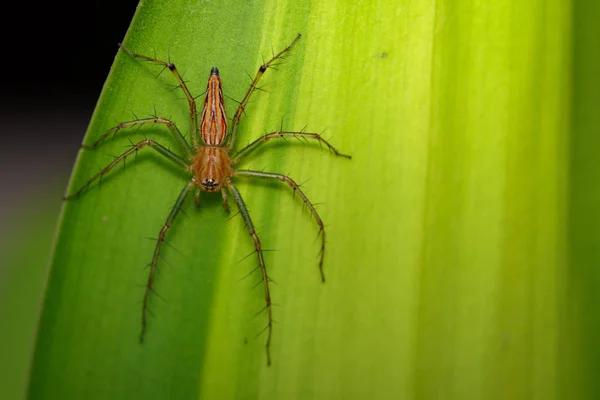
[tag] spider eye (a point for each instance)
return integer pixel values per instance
(210, 184)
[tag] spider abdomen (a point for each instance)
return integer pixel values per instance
(213, 125)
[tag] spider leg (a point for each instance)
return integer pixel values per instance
(261, 263)
(197, 197)
(225, 202)
(148, 142)
(253, 86)
(195, 134)
(161, 238)
(183, 145)
(296, 188)
(282, 135)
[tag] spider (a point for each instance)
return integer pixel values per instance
(209, 159)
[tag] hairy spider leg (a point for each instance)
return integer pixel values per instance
(197, 196)
(148, 142)
(296, 189)
(179, 139)
(225, 202)
(194, 131)
(282, 135)
(253, 86)
(161, 238)
(261, 263)
(223, 194)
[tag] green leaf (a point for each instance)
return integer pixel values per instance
(449, 231)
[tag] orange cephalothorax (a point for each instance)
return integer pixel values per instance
(212, 168)
(213, 125)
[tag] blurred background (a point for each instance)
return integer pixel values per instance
(56, 59)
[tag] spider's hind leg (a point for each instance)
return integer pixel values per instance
(195, 134)
(253, 86)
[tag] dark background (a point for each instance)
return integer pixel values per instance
(57, 56)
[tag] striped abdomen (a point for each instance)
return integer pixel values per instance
(213, 125)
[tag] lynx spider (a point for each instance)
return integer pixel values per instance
(209, 161)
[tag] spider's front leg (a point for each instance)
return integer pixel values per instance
(148, 142)
(225, 202)
(161, 238)
(223, 194)
(261, 264)
(296, 188)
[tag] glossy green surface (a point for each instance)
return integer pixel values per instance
(449, 270)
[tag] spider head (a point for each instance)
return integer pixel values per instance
(212, 168)
(211, 184)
